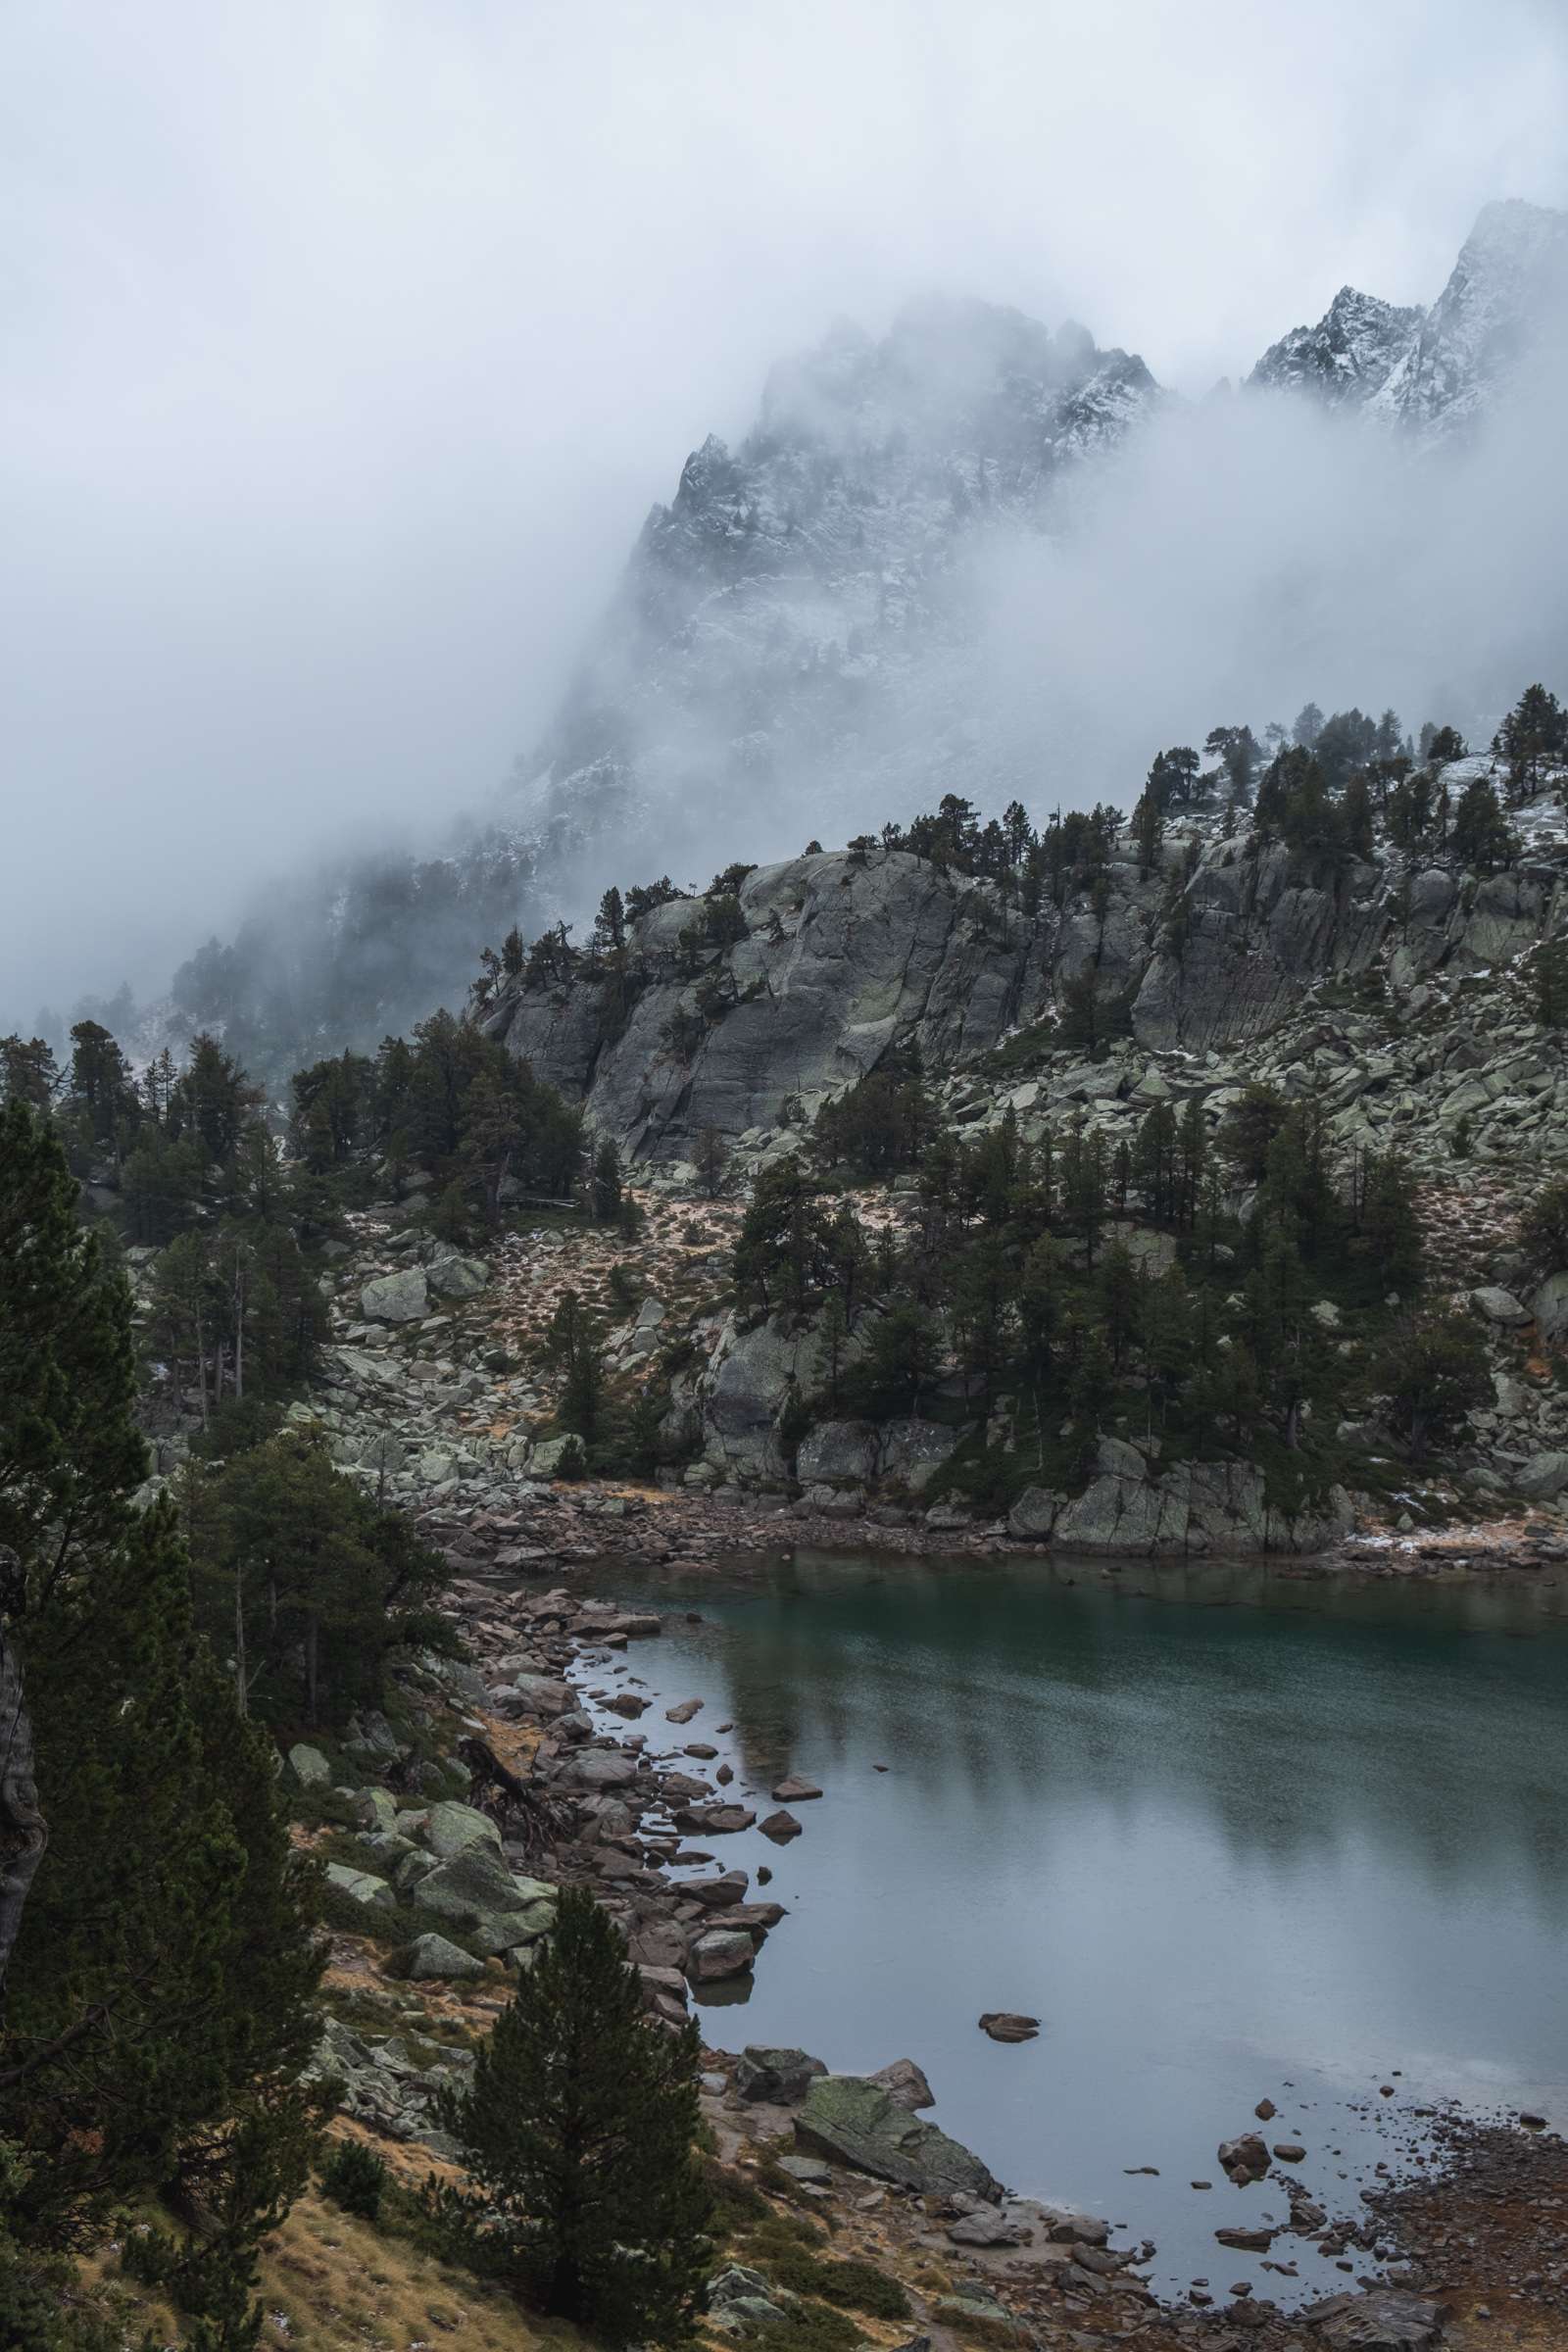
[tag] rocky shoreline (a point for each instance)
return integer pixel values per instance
(562, 1530)
(639, 1809)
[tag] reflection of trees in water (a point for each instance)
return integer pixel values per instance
(1335, 1721)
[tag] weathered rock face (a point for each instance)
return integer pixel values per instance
(844, 955)
(856, 2122)
(1132, 1510)
(840, 959)
(1382, 2319)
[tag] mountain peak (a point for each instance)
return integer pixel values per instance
(1347, 356)
(1432, 372)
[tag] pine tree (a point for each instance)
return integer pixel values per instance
(1533, 737)
(303, 1581)
(1482, 836)
(28, 1071)
(159, 1941)
(579, 2130)
(711, 1160)
(1433, 1370)
(1551, 983)
(605, 1192)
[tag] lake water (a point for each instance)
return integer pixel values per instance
(1227, 1837)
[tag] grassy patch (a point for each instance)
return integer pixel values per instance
(848, 2285)
(332, 2283)
(808, 2327)
(976, 2326)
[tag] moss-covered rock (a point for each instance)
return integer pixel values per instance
(855, 2122)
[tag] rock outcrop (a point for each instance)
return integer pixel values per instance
(1132, 1508)
(845, 955)
(855, 2120)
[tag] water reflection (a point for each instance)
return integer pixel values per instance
(1356, 1721)
(1218, 1849)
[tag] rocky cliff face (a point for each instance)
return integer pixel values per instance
(793, 620)
(1434, 371)
(844, 955)
(801, 641)
(778, 616)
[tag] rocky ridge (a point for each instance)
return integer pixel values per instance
(1434, 372)
(1399, 999)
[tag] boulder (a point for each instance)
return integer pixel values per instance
(751, 1376)
(714, 1821)
(1550, 1306)
(601, 1768)
(781, 1827)
(1244, 2158)
(811, 2170)
(400, 1297)
(370, 1894)
(854, 2121)
(1007, 2024)
(1034, 1515)
(716, 1894)
(535, 1694)
(457, 1277)
(910, 1451)
(720, 1952)
(1067, 2226)
(1543, 1477)
(905, 2084)
(741, 2300)
(836, 1453)
(377, 1810)
(475, 1891)
(432, 1956)
(1500, 1306)
(545, 1457)
(310, 1767)
(793, 1790)
(988, 2227)
(774, 2078)
(1382, 2319)
(450, 1828)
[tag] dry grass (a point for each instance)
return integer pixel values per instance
(331, 2283)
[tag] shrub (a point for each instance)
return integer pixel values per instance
(355, 2177)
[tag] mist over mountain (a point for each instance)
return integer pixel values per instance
(983, 555)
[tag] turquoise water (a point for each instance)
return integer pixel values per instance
(1225, 1837)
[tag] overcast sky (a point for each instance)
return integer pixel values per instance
(347, 341)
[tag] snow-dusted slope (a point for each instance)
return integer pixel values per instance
(1434, 372)
(1348, 356)
(789, 616)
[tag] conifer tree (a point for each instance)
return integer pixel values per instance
(155, 1922)
(1482, 836)
(711, 1160)
(579, 2130)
